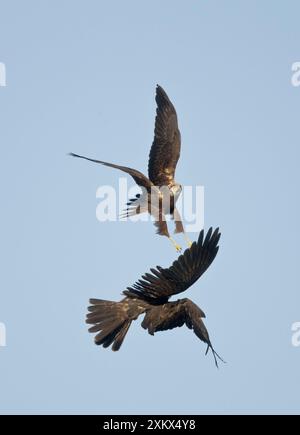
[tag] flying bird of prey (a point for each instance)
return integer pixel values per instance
(159, 190)
(150, 296)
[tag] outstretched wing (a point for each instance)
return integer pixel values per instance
(160, 284)
(139, 178)
(175, 314)
(165, 150)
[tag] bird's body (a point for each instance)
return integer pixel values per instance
(150, 296)
(160, 191)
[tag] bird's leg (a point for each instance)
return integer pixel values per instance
(177, 247)
(161, 225)
(179, 226)
(188, 241)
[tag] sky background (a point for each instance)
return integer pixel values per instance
(81, 77)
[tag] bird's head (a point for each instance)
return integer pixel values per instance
(176, 190)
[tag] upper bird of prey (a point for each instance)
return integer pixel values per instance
(159, 190)
(150, 296)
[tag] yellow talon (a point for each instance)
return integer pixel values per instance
(177, 247)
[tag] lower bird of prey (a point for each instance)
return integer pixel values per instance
(159, 190)
(150, 296)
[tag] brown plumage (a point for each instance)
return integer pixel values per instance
(159, 190)
(165, 150)
(150, 296)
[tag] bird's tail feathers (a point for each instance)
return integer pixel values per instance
(109, 322)
(135, 206)
(131, 210)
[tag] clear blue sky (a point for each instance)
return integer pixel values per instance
(81, 77)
